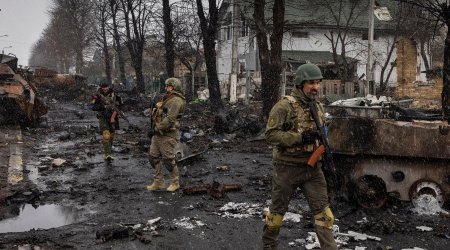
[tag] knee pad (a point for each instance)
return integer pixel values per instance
(106, 135)
(154, 161)
(170, 164)
(324, 218)
(273, 221)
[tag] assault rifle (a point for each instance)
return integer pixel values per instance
(119, 112)
(153, 101)
(324, 149)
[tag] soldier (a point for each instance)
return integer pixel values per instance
(294, 136)
(105, 102)
(166, 134)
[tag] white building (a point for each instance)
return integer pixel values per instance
(308, 25)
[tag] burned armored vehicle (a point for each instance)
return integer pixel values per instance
(390, 150)
(19, 103)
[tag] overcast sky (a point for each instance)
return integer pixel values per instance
(23, 21)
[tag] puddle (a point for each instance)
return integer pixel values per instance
(41, 217)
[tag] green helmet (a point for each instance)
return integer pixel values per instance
(307, 72)
(175, 83)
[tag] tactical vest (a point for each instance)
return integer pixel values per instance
(108, 99)
(159, 113)
(302, 121)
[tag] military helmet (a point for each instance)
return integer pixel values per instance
(175, 83)
(307, 72)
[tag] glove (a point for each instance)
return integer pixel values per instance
(310, 137)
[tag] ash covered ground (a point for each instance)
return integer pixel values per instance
(109, 207)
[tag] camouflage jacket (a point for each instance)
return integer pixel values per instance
(104, 103)
(288, 119)
(167, 114)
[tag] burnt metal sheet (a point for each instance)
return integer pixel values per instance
(356, 135)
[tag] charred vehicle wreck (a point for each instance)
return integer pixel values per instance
(19, 102)
(389, 150)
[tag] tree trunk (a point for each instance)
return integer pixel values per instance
(168, 39)
(136, 44)
(213, 81)
(79, 61)
(383, 81)
(136, 50)
(119, 49)
(106, 55)
(446, 73)
(209, 31)
(270, 60)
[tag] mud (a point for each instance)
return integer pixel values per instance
(114, 210)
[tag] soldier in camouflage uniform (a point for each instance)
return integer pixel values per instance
(104, 102)
(294, 136)
(166, 126)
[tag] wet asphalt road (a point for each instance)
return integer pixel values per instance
(99, 197)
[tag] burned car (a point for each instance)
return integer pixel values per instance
(19, 103)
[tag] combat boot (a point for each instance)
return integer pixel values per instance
(108, 158)
(156, 186)
(173, 187)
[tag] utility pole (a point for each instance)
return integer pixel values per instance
(369, 65)
(234, 51)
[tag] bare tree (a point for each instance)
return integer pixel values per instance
(114, 12)
(269, 57)
(42, 54)
(209, 27)
(57, 43)
(136, 15)
(102, 16)
(76, 16)
(187, 42)
(168, 39)
(344, 13)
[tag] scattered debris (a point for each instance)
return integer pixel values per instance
(240, 210)
(424, 229)
(58, 162)
(215, 190)
(223, 168)
(188, 223)
(427, 204)
(232, 122)
(312, 240)
(108, 233)
(359, 236)
(153, 221)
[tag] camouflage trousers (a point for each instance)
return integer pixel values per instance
(285, 180)
(107, 131)
(162, 152)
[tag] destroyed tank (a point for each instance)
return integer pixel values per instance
(19, 102)
(388, 150)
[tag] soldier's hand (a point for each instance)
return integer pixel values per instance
(112, 120)
(310, 137)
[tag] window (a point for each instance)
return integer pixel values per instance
(365, 36)
(244, 28)
(226, 33)
(300, 34)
